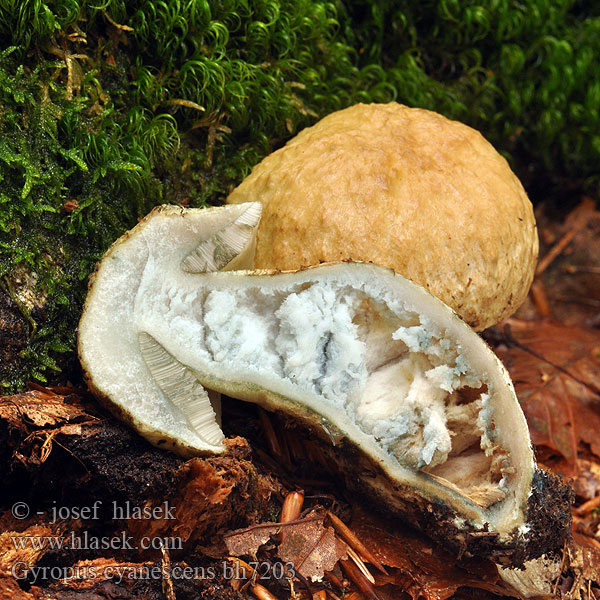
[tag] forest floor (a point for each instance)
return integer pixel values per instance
(72, 475)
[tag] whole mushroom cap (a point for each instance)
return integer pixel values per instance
(405, 188)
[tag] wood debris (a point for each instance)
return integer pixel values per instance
(316, 551)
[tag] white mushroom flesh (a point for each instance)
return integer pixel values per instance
(352, 346)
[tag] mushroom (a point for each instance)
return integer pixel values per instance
(405, 188)
(403, 394)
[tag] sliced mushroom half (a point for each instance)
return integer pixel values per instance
(423, 414)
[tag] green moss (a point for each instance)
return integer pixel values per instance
(119, 106)
(521, 72)
(53, 150)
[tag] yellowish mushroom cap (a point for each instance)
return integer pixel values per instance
(405, 188)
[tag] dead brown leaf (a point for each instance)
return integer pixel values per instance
(312, 548)
(43, 408)
(556, 373)
(308, 545)
(418, 566)
(40, 415)
(246, 542)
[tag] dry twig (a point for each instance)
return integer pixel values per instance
(580, 217)
(350, 538)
